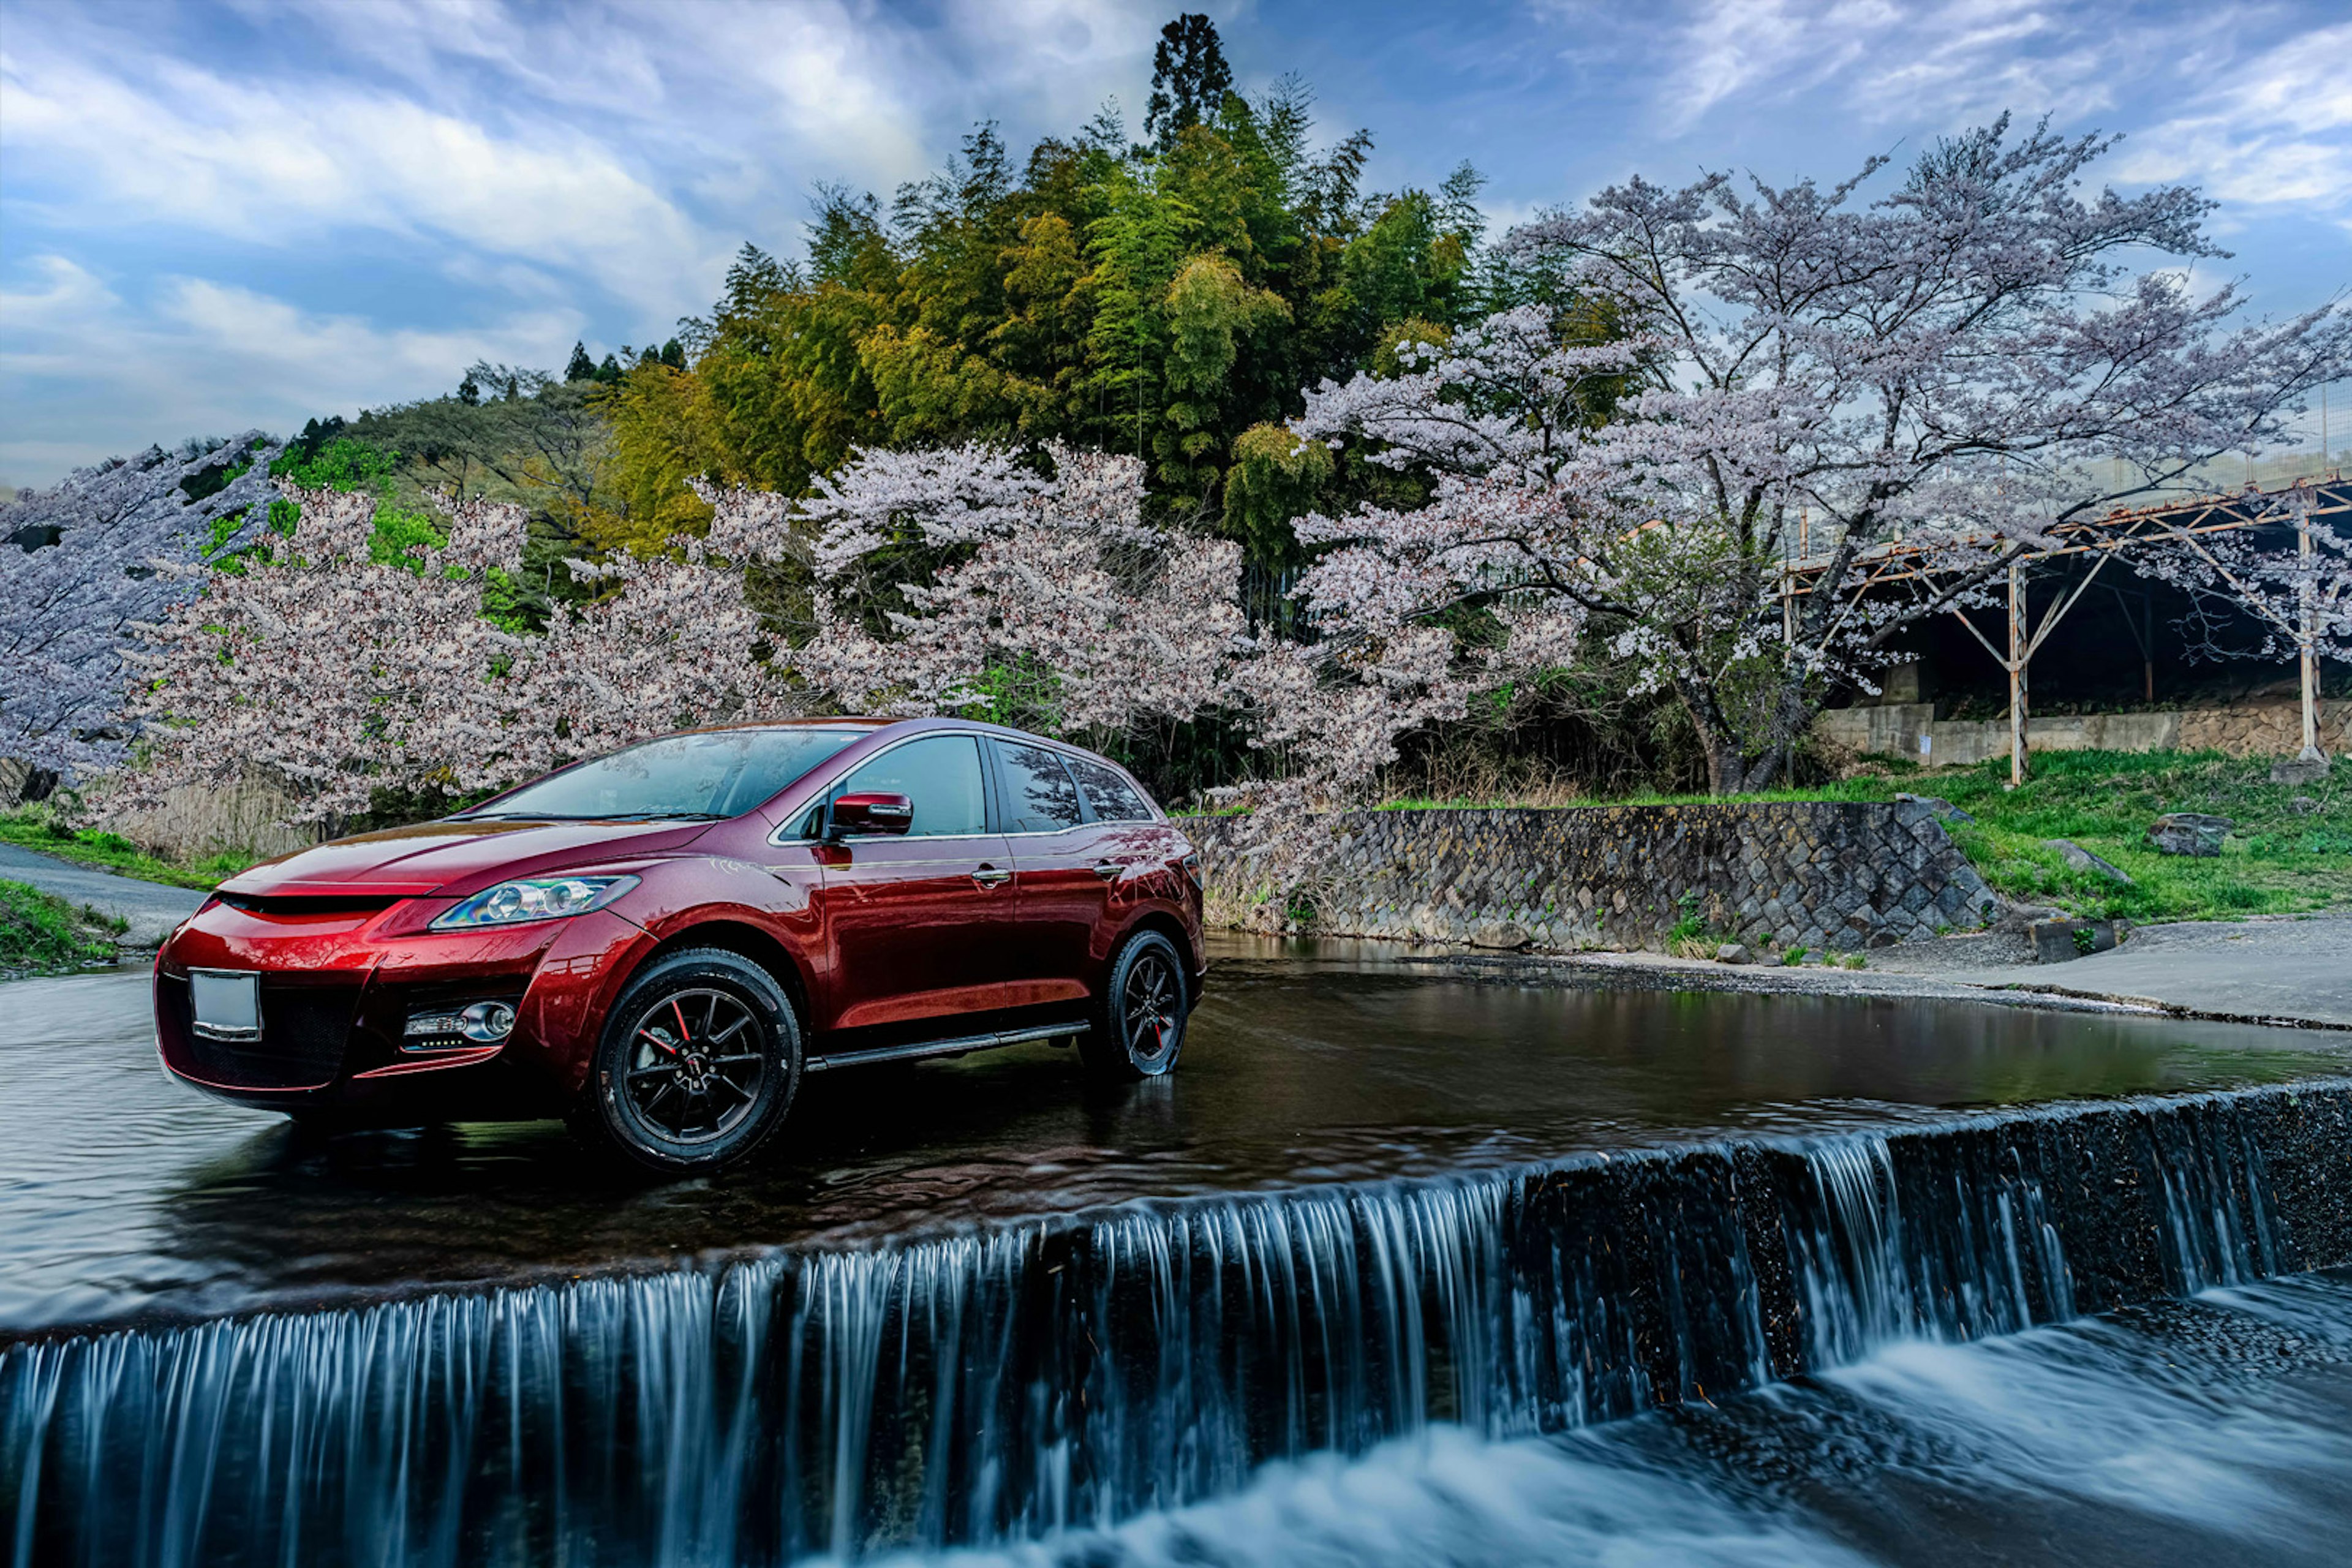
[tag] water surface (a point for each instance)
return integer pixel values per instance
(122, 1193)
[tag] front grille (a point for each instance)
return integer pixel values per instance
(307, 904)
(304, 1031)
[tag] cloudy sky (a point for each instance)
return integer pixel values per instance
(214, 216)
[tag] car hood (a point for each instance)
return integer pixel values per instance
(454, 856)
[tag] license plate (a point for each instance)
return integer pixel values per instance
(228, 1003)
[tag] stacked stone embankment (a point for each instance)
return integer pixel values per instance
(1829, 875)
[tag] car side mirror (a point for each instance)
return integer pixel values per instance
(870, 813)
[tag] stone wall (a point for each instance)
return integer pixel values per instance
(2264, 729)
(1829, 875)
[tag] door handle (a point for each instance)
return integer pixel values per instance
(1108, 870)
(989, 875)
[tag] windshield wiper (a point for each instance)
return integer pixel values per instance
(672, 815)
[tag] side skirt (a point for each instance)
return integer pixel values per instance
(954, 1047)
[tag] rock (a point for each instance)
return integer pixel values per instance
(2310, 767)
(2082, 859)
(1770, 960)
(2187, 833)
(1732, 953)
(2064, 941)
(2304, 805)
(2020, 918)
(1882, 938)
(1499, 933)
(1944, 809)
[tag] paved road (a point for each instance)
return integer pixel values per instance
(2287, 969)
(152, 908)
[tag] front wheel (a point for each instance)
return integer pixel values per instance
(1138, 1020)
(697, 1065)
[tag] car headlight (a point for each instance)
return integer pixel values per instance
(534, 898)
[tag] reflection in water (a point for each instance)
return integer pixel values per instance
(121, 1191)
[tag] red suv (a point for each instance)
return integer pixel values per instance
(657, 943)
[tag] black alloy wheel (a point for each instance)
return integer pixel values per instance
(1139, 1021)
(699, 1063)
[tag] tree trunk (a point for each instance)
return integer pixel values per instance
(1730, 768)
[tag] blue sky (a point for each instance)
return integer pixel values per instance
(250, 212)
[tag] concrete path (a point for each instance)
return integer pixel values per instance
(2296, 971)
(152, 908)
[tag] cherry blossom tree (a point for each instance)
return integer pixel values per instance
(1947, 367)
(961, 580)
(334, 673)
(85, 562)
(341, 676)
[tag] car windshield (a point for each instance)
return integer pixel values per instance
(718, 773)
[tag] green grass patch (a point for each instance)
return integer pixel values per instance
(40, 933)
(37, 827)
(2290, 852)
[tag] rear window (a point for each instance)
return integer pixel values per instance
(1040, 797)
(1108, 792)
(720, 773)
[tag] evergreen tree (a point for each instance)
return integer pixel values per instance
(609, 372)
(1190, 79)
(469, 391)
(673, 355)
(581, 367)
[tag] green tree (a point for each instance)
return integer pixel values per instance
(1190, 78)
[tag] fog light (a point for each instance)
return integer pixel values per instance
(482, 1023)
(488, 1021)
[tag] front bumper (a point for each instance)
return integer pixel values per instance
(337, 990)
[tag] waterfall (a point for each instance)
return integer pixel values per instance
(997, 1384)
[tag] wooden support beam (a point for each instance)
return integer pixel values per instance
(2307, 645)
(2017, 653)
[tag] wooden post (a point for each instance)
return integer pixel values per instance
(2017, 656)
(2306, 646)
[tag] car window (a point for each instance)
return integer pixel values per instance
(941, 774)
(716, 772)
(1039, 795)
(1109, 793)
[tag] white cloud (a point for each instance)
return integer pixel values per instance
(199, 152)
(2274, 130)
(87, 374)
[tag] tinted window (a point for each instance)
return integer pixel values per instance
(1109, 793)
(1039, 795)
(723, 773)
(940, 774)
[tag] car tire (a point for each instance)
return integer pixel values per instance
(1138, 1028)
(697, 1066)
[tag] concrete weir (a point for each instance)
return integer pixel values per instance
(1000, 1381)
(1826, 874)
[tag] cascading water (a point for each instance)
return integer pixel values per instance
(1075, 1372)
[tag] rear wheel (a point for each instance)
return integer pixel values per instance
(699, 1063)
(1138, 1020)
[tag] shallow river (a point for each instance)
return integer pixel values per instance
(123, 1193)
(1402, 1268)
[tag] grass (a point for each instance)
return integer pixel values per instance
(37, 827)
(40, 933)
(2278, 859)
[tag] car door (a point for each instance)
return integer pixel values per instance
(1060, 884)
(1127, 846)
(919, 924)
